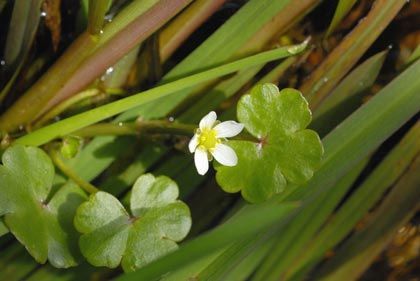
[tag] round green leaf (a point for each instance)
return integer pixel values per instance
(41, 222)
(111, 236)
(286, 152)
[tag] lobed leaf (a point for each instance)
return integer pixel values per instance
(26, 180)
(110, 235)
(286, 153)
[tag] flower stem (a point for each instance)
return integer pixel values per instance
(135, 128)
(107, 129)
(165, 127)
(68, 171)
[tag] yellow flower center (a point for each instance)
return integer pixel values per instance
(207, 138)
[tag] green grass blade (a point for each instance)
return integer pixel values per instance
(357, 136)
(24, 23)
(191, 270)
(367, 127)
(303, 226)
(3, 229)
(200, 59)
(226, 39)
(22, 30)
(248, 223)
(352, 141)
(344, 6)
(19, 265)
(414, 56)
(349, 51)
(347, 96)
(356, 255)
(79, 121)
(96, 15)
(366, 196)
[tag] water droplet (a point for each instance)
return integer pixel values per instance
(2, 62)
(108, 18)
(294, 49)
(43, 14)
(120, 124)
(325, 79)
(109, 70)
(101, 31)
(390, 46)
(171, 119)
(107, 73)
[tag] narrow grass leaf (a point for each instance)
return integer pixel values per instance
(360, 251)
(343, 7)
(349, 51)
(347, 96)
(247, 224)
(365, 196)
(69, 125)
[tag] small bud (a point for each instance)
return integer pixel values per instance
(70, 146)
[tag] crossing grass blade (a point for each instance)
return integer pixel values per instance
(361, 201)
(343, 7)
(71, 124)
(349, 51)
(348, 94)
(360, 251)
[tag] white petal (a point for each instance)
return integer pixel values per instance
(201, 161)
(228, 129)
(208, 120)
(225, 155)
(192, 145)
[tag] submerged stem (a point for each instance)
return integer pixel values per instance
(149, 127)
(68, 171)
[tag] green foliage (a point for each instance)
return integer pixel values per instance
(110, 235)
(344, 6)
(307, 211)
(41, 221)
(69, 125)
(70, 146)
(286, 154)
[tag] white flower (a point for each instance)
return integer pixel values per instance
(208, 142)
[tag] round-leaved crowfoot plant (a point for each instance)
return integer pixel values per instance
(286, 153)
(110, 235)
(41, 221)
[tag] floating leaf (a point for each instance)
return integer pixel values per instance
(286, 153)
(41, 222)
(112, 236)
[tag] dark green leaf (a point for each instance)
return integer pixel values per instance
(286, 153)
(26, 179)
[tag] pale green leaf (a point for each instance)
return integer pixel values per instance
(110, 235)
